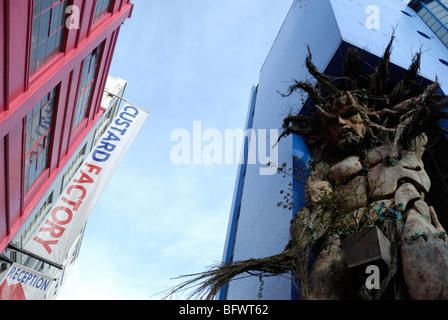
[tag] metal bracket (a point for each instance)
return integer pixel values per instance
(12, 247)
(5, 259)
(121, 98)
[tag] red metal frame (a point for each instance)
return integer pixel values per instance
(21, 93)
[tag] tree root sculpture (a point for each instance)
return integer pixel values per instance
(376, 132)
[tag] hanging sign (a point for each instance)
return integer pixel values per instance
(57, 233)
(22, 283)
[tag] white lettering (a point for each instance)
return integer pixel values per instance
(73, 19)
(191, 146)
(373, 21)
(373, 281)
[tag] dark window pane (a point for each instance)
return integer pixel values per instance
(46, 4)
(33, 61)
(101, 8)
(85, 74)
(105, 6)
(59, 38)
(37, 4)
(86, 85)
(442, 15)
(32, 172)
(35, 34)
(62, 13)
(37, 107)
(53, 93)
(437, 9)
(431, 21)
(41, 54)
(28, 141)
(432, 5)
(44, 25)
(54, 24)
(422, 13)
(27, 179)
(39, 123)
(95, 14)
(445, 39)
(50, 46)
(441, 32)
(436, 26)
(35, 133)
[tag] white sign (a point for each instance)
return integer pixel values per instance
(21, 283)
(57, 233)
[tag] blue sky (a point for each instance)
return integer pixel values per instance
(184, 61)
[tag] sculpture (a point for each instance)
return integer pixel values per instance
(383, 134)
(367, 138)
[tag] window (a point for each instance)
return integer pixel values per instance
(46, 206)
(435, 15)
(101, 8)
(88, 79)
(39, 125)
(73, 168)
(48, 31)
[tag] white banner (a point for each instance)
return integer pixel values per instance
(55, 236)
(21, 283)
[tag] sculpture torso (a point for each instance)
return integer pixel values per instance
(362, 189)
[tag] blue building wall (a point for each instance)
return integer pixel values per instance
(239, 187)
(258, 227)
(263, 227)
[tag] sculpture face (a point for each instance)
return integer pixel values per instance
(344, 125)
(346, 132)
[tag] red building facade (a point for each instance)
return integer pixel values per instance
(55, 59)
